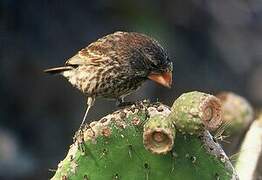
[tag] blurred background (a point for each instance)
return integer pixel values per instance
(215, 46)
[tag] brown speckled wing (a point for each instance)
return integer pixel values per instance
(99, 51)
(85, 57)
(119, 46)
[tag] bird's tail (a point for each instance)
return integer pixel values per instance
(58, 70)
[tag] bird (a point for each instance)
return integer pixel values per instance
(116, 65)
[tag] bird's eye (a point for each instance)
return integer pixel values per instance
(154, 66)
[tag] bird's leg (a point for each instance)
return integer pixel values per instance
(121, 103)
(90, 102)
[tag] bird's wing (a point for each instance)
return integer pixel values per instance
(87, 57)
(99, 51)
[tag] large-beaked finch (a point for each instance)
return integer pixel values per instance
(116, 65)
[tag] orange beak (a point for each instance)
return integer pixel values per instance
(165, 79)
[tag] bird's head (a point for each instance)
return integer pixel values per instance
(152, 61)
(160, 70)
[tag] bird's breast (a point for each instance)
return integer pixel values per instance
(105, 81)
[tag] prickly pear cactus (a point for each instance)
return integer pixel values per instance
(141, 142)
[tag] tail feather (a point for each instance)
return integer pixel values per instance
(58, 70)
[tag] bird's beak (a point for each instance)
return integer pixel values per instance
(165, 79)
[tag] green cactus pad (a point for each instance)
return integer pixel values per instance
(113, 148)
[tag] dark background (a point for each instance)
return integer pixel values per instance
(215, 46)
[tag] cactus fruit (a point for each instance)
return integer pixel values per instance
(237, 112)
(139, 142)
(236, 117)
(158, 135)
(194, 112)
